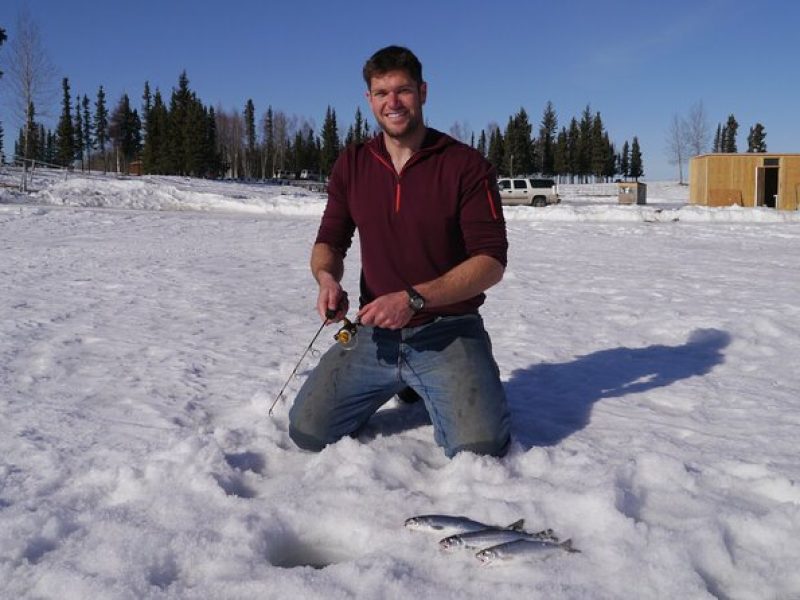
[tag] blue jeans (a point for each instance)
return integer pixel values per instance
(448, 362)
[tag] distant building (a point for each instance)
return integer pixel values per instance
(751, 179)
(135, 167)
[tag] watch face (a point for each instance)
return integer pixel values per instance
(416, 302)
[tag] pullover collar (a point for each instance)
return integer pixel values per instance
(434, 141)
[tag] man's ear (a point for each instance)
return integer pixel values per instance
(423, 92)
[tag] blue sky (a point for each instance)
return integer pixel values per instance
(636, 62)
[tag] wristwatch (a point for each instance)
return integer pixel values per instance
(415, 300)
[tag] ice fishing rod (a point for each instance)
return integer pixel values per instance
(346, 336)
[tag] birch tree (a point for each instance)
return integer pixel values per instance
(30, 75)
(677, 144)
(697, 130)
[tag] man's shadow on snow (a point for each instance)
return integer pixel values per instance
(551, 401)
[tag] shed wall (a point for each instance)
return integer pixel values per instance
(730, 179)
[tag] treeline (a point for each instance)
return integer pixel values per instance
(580, 152)
(180, 135)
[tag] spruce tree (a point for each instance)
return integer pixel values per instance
(250, 138)
(496, 152)
(729, 135)
(358, 127)
(66, 131)
(314, 145)
(599, 148)
(756, 139)
(560, 155)
(177, 142)
(47, 145)
(79, 132)
(482, 144)
(584, 145)
(269, 144)
(19, 144)
(147, 106)
(356, 132)
(29, 136)
(43, 146)
(213, 161)
(330, 146)
(547, 140)
(87, 130)
(196, 151)
(518, 146)
(625, 161)
(717, 139)
(101, 126)
(40, 137)
(154, 153)
(125, 133)
(573, 150)
(637, 168)
(610, 167)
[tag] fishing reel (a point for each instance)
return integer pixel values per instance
(346, 336)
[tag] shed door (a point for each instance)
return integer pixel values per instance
(766, 186)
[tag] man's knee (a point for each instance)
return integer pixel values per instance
(497, 448)
(305, 441)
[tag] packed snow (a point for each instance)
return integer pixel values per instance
(649, 354)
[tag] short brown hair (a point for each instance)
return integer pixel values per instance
(393, 58)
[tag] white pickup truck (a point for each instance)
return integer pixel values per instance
(528, 191)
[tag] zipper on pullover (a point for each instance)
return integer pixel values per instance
(397, 176)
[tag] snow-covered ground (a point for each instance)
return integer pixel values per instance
(649, 354)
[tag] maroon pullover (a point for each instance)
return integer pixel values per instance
(414, 226)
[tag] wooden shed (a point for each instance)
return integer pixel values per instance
(752, 179)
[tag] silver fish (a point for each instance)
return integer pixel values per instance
(521, 549)
(453, 524)
(493, 536)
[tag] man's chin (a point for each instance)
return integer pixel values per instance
(401, 132)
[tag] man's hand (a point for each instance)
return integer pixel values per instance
(332, 298)
(390, 311)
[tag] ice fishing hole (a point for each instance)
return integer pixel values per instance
(291, 551)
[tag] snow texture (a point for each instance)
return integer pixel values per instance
(649, 354)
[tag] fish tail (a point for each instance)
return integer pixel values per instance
(567, 545)
(517, 525)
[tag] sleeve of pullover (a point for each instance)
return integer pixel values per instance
(337, 226)
(482, 222)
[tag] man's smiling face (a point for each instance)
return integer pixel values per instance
(396, 101)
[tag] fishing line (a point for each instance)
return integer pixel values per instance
(346, 337)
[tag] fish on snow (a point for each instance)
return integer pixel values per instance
(454, 524)
(523, 549)
(493, 536)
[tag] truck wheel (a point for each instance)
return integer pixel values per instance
(539, 201)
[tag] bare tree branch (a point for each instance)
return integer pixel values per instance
(697, 130)
(677, 146)
(30, 74)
